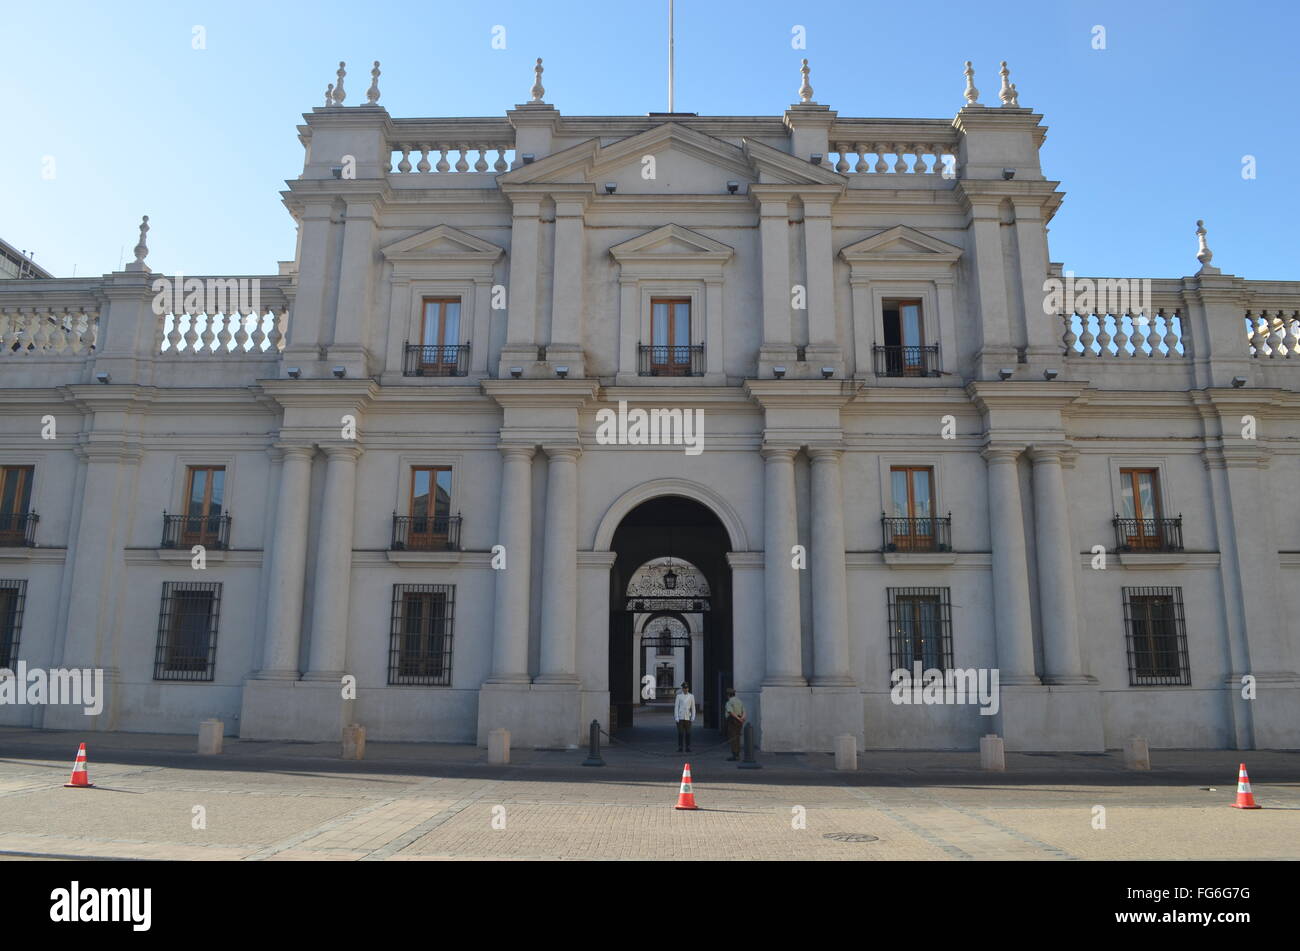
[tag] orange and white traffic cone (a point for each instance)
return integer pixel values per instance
(1245, 798)
(80, 778)
(686, 798)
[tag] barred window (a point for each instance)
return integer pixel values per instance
(12, 596)
(1157, 638)
(187, 631)
(420, 638)
(920, 628)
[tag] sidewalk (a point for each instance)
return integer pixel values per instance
(642, 754)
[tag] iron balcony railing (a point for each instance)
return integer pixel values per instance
(436, 360)
(671, 361)
(1148, 534)
(917, 534)
(18, 530)
(186, 531)
(907, 361)
(426, 533)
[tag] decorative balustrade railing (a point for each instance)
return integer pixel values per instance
(215, 335)
(906, 361)
(441, 159)
(71, 331)
(661, 360)
(18, 530)
(1273, 333)
(892, 158)
(1148, 534)
(185, 531)
(1159, 334)
(917, 534)
(426, 533)
(435, 359)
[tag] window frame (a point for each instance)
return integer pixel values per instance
(11, 632)
(672, 367)
(442, 343)
(1155, 676)
(206, 534)
(433, 668)
(169, 613)
(432, 534)
(941, 597)
(13, 525)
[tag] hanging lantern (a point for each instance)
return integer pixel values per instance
(670, 579)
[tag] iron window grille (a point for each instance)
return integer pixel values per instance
(13, 596)
(186, 531)
(440, 359)
(187, 631)
(426, 533)
(1148, 534)
(1157, 638)
(917, 534)
(657, 360)
(18, 530)
(907, 360)
(920, 628)
(423, 618)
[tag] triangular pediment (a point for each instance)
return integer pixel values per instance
(671, 243)
(442, 243)
(902, 243)
(698, 156)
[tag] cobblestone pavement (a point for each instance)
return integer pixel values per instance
(286, 801)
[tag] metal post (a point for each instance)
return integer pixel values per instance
(593, 746)
(747, 748)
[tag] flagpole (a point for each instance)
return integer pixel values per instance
(670, 55)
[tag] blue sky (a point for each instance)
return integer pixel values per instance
(1146, 135)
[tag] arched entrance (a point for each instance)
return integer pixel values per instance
(662, 535)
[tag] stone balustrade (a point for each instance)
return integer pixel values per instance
(36, 331)
(234, 334)
(1273, 333)
(892, 158)
(441, 147)
(1125, 335)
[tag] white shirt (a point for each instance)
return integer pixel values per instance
(684, 707)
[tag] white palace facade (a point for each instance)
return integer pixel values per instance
(390, 463)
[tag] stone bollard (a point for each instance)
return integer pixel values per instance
(354, 742)
(992, 752)
(846, 752)
(211, 733)
(1137, 755)
(499, 747)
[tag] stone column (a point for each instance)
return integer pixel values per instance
(774, 232)
(521, 304)
(781, 579)
(829, 579)
(560, 569)
(333, 582)
(567, 292)
(1057, 563)
(288, 566)
(1011, 615)
(823, 338)
(510, 632)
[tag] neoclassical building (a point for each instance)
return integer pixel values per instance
(382, 486)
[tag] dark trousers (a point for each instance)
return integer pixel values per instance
(684, 733)
(733, 734)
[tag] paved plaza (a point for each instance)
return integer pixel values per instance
(156, 798)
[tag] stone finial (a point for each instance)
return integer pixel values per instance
(1204, 254)
(1014, 102)
(339, 95)
(805, 90)
(1005, 92)
(372, 94)
(329, 95)
(141, 250)
(972, 94)
(538, 90)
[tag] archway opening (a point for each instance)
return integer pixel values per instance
(670, 614)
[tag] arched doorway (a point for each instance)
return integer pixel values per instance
(663, 535)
